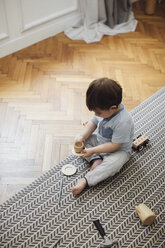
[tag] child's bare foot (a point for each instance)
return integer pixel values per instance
(81, 184)
(95, 164)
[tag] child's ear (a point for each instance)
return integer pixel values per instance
(113, 107)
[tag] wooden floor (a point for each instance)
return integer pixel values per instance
(42, 92)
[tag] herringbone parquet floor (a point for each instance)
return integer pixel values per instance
(42, 92)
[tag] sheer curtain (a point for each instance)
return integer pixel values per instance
(102, 17)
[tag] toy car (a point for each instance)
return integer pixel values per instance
(140, 142)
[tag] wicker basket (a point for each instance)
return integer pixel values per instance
(150, 7)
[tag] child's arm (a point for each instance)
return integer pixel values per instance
(104, 148)
(88, 130)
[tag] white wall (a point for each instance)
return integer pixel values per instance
(25, 22)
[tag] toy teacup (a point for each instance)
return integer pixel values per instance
(78, 146)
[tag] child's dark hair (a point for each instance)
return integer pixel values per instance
(103, 93)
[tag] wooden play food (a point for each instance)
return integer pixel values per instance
(78, 146)
(145, 214)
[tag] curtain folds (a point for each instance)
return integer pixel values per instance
(102, 17)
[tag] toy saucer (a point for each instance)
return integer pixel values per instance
(77, 154)
(69, 170)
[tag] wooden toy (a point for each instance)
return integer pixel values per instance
(140, 142)
(77, 153)
(78, 146)
(145, 214)
(69, 169)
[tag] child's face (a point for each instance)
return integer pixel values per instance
(105, 113)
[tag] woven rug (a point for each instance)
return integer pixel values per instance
(33, 217)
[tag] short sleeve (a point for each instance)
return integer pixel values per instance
(95, 120)
(122, 132)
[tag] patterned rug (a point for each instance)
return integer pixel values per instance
(34, 218)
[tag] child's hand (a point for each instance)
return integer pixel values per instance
(85, 123)
(87, 152)
(79, 138)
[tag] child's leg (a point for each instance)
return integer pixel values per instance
(91, 142)
(80, 185)
(95, 164)
(110, 165)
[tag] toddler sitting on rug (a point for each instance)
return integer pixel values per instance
(109, 149)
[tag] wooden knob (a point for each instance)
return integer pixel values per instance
(145, 214)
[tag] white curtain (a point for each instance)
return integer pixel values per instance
(102, 17)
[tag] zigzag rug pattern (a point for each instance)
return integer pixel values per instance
(34, 218)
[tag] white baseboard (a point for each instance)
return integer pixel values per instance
(41, 33)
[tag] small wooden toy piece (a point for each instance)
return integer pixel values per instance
(78, 146)
(140, 142)
(69, 169)
(79, 154)
(145, 214)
